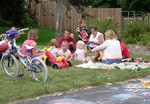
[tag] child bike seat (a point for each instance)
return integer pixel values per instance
(28, 48)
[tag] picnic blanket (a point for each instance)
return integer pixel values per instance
(121, 66)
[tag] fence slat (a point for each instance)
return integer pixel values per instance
(46, 15)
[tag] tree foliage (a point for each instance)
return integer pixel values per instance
(13, 11)
(103, 3)
(136, 5)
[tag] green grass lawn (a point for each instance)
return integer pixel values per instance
(45, 35)
(67, 79)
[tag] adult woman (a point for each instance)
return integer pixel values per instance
(96, 38)
(111, 47)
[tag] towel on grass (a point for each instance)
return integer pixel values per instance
(121, 66)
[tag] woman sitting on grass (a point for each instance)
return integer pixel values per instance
(96, 39)
(124, 49)
(111, 47)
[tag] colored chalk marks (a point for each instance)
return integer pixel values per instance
(123, 96)
(69, 101)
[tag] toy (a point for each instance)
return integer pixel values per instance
(146, 83)
(3, 46)
(57, 64)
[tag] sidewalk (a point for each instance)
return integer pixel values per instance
(131, 92)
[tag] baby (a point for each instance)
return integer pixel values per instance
(79, 54)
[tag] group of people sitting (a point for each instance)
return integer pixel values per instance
(109, 49)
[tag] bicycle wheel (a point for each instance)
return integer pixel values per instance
(38, 69)
(9, 65)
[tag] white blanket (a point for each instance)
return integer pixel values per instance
(121, 66)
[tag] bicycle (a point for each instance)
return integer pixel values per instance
(36, 66)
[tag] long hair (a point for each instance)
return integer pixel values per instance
(53, 42)
(33, 34)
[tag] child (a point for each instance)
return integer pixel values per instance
(82, 31)
(64, 51)
(33, 35)
(79, 54)
(124, 49)
(53, 47)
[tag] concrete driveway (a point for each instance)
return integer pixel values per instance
(131, 92)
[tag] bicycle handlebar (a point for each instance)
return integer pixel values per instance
(24, 29)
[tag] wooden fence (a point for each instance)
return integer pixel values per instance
(46, 15)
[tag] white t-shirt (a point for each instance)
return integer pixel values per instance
(80, 55)
(61, 53)
(54, 51)
(95, 39)
(111, 49)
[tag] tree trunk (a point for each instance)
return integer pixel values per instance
(59, 19)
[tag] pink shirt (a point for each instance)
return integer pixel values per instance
(26, 42)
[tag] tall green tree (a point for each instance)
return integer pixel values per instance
(13, 11)
(136, 5)
(103, 3)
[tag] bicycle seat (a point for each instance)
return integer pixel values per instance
(28, 48)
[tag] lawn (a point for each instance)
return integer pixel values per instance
(67, 79)
(45, 35)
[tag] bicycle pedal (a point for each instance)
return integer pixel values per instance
(20, 75)
(24, 67)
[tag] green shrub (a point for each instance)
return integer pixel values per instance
(27, 22)
(136, 32)
(4, 22)
(103, 25)
(3, 30)
(144, 39)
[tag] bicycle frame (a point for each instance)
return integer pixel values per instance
(25, 59)
(13, 48)
(36, 66)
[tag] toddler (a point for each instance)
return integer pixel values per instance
(79, 54)
(53, 47)
(64, 51)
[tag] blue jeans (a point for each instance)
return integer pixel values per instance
(124, 57)
(111, 61)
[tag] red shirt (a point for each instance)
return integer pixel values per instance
(70, 39)
(124, 49)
